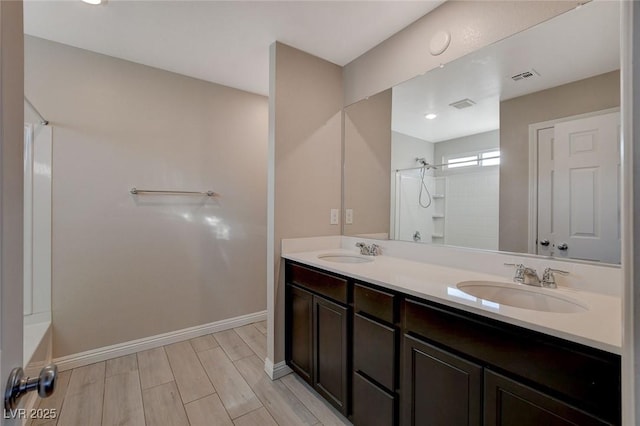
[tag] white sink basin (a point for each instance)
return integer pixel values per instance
(344, 258)
(521, 297)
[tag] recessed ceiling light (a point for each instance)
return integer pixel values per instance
(93, 2)
(430, 116)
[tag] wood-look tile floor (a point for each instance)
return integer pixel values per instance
(212, 380)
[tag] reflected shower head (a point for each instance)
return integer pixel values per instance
(424, 163)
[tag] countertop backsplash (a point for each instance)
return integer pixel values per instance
(603, 279)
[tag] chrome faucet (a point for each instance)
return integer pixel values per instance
(529, 276)
(369, 249)
(549, 279)
(526, 275)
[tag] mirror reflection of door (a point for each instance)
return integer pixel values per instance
(579, 189)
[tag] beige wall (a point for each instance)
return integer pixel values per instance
(591, 94)
(472, 25)
(125, 266)
(305, 124)
(11, 181)
(367, 164)
(306, 154)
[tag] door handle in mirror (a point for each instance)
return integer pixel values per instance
(19, 385)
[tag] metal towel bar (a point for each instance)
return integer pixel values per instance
(136, 191)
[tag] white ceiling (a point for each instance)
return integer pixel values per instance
(225, 42)
(578, 44)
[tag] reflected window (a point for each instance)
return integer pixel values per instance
(491, 158)
(462, 162)
(481, 159)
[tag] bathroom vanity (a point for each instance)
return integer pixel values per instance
(386, 348)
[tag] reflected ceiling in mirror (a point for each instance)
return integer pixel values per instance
(478, 111)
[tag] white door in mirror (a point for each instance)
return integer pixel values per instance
(579, 190)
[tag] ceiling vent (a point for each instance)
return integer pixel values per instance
(464, 103)
(525, 75)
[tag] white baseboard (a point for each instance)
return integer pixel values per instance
(121, 349)
(276, 371)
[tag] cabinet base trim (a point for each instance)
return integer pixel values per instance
(127, 348)
(275, 371)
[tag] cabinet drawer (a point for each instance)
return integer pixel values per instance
(371, 405)
(327, 285)
(585, 377)
(374, 350)
(376, 303)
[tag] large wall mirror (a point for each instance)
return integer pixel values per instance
(515, 147)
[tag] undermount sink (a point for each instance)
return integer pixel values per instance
(344, 258)
(521, 297)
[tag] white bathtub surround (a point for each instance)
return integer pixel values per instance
(37, 216)
(37, 332)
(432, 273)
(37, 329)
(471, 208)
(36, 350)
(409, 216)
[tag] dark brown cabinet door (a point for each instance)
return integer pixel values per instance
(331, 379)
(439, 388)
(511, 403)
(300, 332)
(372, 406)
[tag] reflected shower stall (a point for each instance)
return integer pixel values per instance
(454, 203)
(419, 207)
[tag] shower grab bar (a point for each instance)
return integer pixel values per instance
(136, 191)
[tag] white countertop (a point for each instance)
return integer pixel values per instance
(600, 326)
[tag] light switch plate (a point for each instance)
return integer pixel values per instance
(348, 217)
(334, 216)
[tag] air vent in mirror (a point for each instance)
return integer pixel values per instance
(524, 75)
(464, 103)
